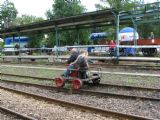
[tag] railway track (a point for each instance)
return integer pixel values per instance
(104, 65)
(131, 66)
(100, 85)
(86, 91)
(81, 107)
(14, 113)
(103, 72)
(129, 87)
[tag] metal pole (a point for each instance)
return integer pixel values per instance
(117, 34)
(135, 41)
(78, 36)
(134, 34)
(59, 39)
(19, 42)
(12, 41)
(56, 29)
(3, 52)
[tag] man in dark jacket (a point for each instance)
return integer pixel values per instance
(73, 56)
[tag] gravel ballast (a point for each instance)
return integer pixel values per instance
(6, 116)
(116, 90)
(137, 107)
(45, 111)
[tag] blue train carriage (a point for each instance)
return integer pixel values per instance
(13, 44)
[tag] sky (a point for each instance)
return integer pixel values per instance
(39, 7)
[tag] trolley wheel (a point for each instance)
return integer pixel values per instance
(59, 82)
(77, 84)
(96, 81)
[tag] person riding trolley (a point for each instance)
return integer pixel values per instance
(81, 63)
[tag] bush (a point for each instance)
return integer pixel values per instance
(1, 44)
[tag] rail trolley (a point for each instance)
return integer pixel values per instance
(78, 78)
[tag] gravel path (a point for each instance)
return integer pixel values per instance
(137, 107)
(43, 110)
(5, 116)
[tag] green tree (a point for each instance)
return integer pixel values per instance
(26, 19)
(35, 39)
(8, 13)
(1, 44)
(64, 8)
(119, 5)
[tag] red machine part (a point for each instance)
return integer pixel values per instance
(74, 73)
(77, 84)
(59, 82)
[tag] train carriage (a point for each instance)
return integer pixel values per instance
(148, 51)
(148, 46)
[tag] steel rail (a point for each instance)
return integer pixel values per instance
(100, 85)
(129, 87)
(17, 114)
(121, 58)
(84, 91)
(79, 106)
(103, 72)
(128, 66)
(26, 76)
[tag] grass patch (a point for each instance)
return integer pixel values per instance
(106, 78)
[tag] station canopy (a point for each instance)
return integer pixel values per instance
(81, 21)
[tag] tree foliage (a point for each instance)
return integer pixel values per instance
(119, 5)
(65, 8)
(35, 39)
(8, 13)
(1, 44)
(26, 19)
